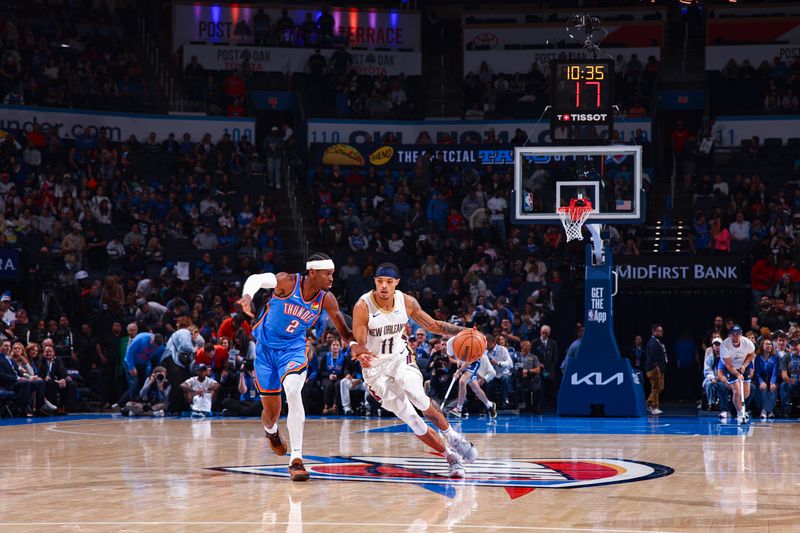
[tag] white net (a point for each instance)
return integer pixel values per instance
(573, 217)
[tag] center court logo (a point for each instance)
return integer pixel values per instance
(517, 476)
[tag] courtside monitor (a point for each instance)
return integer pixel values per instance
(549, 177)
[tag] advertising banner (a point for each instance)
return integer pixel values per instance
(496, 37)
(718, 56)
(264, 59)
(681, 271)
(459, 131)
(531, 15)
(730, 131)
(406, 156)
(233, 23)
(120, 126)
(9, 264)
(771, 30)
(510, 61)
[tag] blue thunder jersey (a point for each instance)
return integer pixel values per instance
(283, 323)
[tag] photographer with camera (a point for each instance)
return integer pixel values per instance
(439, 372)
(178, 357)
(249, 402)
(143, 353)
(154, 396)
(425, 360)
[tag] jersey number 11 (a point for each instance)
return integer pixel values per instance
(390, 340)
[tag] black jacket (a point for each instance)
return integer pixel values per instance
(58, 372)
(352, 367)
(548, 356)
(656, 354)
(9, 373)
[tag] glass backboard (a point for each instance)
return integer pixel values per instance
(548, 177)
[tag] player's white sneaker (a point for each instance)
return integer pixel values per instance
(456, 412)
(742, 419)
(723, 415)
(464, 448)
(763, 415)
(492, 411)
(456, 464)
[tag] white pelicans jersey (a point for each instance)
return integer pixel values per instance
(386, 337)
(728, 351)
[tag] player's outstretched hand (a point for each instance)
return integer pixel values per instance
(362, 355)
(244, 301)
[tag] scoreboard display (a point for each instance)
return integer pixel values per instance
(582, 102)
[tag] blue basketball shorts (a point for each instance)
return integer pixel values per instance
(272, 366)
(748, 372)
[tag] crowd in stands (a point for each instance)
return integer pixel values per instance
(329, 86)
(749, 205)
(774, 389)
(743, 88)
(448, 227)
(490, 94)
(58, 56)
(134, 237)
(284, 31)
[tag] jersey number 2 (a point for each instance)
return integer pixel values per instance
(390, 340)
(293, 325)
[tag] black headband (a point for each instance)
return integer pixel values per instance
(387, 271)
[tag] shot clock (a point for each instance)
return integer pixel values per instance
(582, 100)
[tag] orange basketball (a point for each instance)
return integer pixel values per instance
(469, 345)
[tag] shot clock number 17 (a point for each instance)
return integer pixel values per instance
(582, 94)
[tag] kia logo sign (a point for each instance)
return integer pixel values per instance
(596, 379)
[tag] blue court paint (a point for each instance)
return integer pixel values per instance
(448, 491)
(51, 419)
(555, 425)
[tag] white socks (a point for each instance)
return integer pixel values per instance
(450, 433)
(271, 430)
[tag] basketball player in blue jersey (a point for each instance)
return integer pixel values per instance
(390, 372)
(296, 303)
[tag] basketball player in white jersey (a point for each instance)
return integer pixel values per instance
(389, 368)
(736, 357)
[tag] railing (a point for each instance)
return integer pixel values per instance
(162, 67)
(297, 215)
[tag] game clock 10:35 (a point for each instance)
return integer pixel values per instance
(583, 86)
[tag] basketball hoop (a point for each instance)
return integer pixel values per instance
(573, 217)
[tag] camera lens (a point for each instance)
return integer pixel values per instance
(160, 377)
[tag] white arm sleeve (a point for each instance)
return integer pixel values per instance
(259, 281)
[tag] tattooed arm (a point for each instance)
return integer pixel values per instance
(427, 322)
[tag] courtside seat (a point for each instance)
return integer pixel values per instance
(8, 401)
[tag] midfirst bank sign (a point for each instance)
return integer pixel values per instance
(681, 271)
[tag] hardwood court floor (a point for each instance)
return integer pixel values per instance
(115, 474)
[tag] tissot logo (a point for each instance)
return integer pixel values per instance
(582, 117)
(517, 476)
(597, 378)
